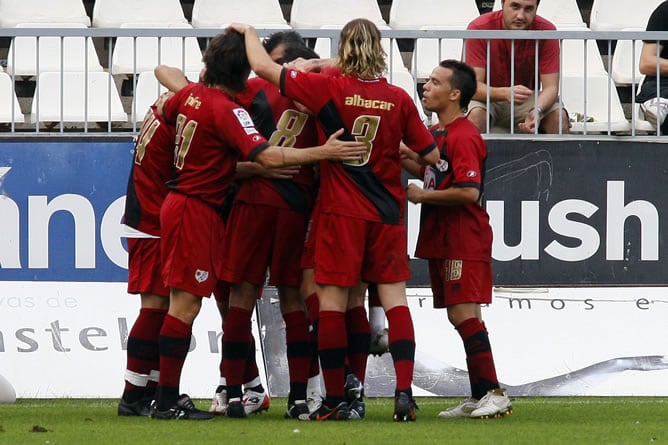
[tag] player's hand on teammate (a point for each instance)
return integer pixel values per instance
(160, 102)
(241, 28)
(414, 193)
(279, 173)
(339, 150)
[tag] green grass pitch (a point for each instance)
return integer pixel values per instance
(600, 420)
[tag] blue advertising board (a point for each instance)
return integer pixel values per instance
(61, 209)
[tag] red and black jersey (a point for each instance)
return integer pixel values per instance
(372, 111)
(212, 132)
(151, 169)
(456, 231)
(281, 123)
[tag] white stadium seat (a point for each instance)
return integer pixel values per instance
(319, 13)
(220, 13)
(594, 104)
(86, 96)
(113, 13)
(626, 61)
(425, 14)
(393, 57)
(615, 15)
(78, 53)
(427, 54)
(565, 14)
(13, 12)
(152, 51)
(573, 57)
(406, 82)
(7, 100)
(147, 91)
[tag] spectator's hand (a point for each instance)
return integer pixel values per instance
(530, 123)
(414, 193)
(522, 93)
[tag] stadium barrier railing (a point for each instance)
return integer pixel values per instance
(105, 37)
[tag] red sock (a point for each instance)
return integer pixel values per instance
(298, 341)
(359, 339)
(174, 343)
(143, 354)
(402, 346)
(479, 359)
(332, 347)
(250, 371)
(236, 346)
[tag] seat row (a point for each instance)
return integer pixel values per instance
(92, 96)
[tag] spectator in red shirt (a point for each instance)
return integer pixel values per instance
(533, 111)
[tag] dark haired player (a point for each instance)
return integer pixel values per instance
(455, 235)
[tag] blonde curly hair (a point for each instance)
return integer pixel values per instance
(360, 52)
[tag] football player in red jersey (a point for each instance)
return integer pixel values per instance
(360, 232)
(151, 169)
(455, 235)
(266, 231)
(212, 132)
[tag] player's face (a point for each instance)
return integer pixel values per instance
(278, 52)
(437, 92)
(519, 14)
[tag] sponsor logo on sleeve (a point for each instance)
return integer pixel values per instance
(243, 117)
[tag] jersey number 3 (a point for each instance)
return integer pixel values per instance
(364, 130)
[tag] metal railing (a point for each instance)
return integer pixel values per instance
(34, 121)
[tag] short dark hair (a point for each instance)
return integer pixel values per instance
(293, 52)
(463, 79)
(537, 2)
(226, 62)
(287, 38)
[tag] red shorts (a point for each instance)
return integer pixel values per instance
(191, 233)
(349, 249)
(460, 281)
(144, 270)
(259, 237)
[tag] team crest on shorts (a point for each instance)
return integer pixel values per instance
(453, 270)
(201, 275)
